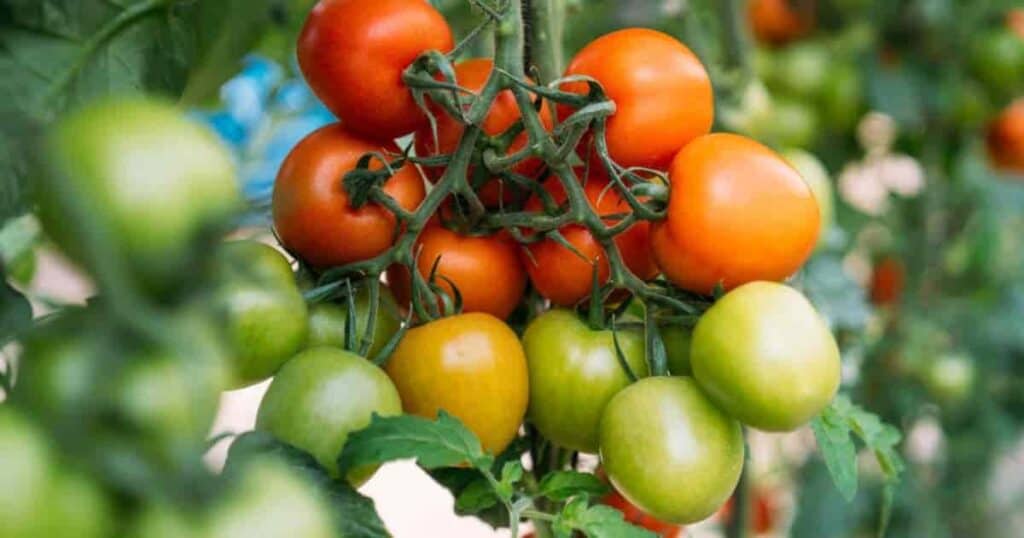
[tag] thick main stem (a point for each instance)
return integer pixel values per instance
(545, 37)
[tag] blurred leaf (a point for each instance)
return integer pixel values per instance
(560, 485)
(441, 443)
(834, 293)
(18, 236)
(15, 313)
(597, 521)
(476, 497)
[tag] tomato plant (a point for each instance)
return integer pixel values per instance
(354, 51)
(778, 22)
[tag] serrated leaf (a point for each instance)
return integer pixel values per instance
(838, 451)
(443, 442)
(476, 497)
(597, 521)
(561, 485)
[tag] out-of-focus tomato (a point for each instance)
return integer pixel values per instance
(640, 518)
(777, 21)
(1006, 138)
(764, 513)
(662, 94)
(1015, 21)
(816, 176)
(574, 372)
(842, 96)
(321, 396)
(764, 355)
(312, 214)
(485, 269)
(950, 378)
(353, 53)
(737, 212)
(661, 432)
(328, 321)
(997, 57)
(565, 278)
(887, 281)
(802, 69)
(470, 365)
(472, 74)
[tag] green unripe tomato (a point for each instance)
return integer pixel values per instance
(574, 371)
(328, 321)
(801, 69)
(950, 378)
(322, 395)
(816, 176)
(669, 450)
(271, 501)
(765, 356)
(842, 97)
(261, 309)
(792, 123)
(151, 182)
(677, 348)
(997, 58)
(26, 464)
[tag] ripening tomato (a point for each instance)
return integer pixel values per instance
(764, 355)
(777, 22)
(470, 365)
(737, 212)
(638, 517)
(319, 397)
(1015, 21)
(887, 281)
(1006, 138)
(669, 450)
(472, 74)
(565, 278)
(485, 269)
(816, 176)
(662, 94)
(312, 215)
(353, 53)
(574, 372)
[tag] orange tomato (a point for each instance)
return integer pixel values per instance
(485, 269)
(776, 22)
(353, 52)
(1006, 138)
(737, 213)
(1015, 20)
(470, 365)
(661, 91)
(472, 74)
(311, 210)
(565, 278)
(887, 281)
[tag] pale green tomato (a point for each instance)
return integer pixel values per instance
(816, 176)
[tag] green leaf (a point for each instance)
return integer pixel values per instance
(17, 237)
(561, 485)
(15, 313)
(596, 521)
(476, 497)
(458, 479)
(838, 451)
(444, 442)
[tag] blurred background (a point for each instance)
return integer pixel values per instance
(908, 114)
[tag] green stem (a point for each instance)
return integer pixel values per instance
(735, 41)
(546, 19)
(738, 524)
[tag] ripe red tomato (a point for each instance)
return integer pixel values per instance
(887, 281)
(353, 52)
(311, 210)
(777, 21)
(485, 269)
(640, 518)
(562, 276)
(661, 91)
(470, 365)
(737, 213)
(1015, 21)
(1006, 138)
(472, 74)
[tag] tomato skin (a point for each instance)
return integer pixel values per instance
(661, 432)
(558, 273)
(776, 22)
(636, 516)
(485, 269)
(1006, 138)
(814, 173)
(470, 365)
(662, 94)
(574, 372)
(262, 311)
(328, 321)
(353, 52)
(737, 213)
(312, 215)
(887, 281)
(319, 397)
(472, 74)
(764, 355)
(154, 183)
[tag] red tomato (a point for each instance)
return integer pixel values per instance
(764, 514)
(661, 91)
(1006, 138)
(737, 213)
(778, 21)
(472, 74)
(558, 273)
(887, 281)
(640, 518)
(1015, 20)
(312, 215)
(353, 52)
(485, 269)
